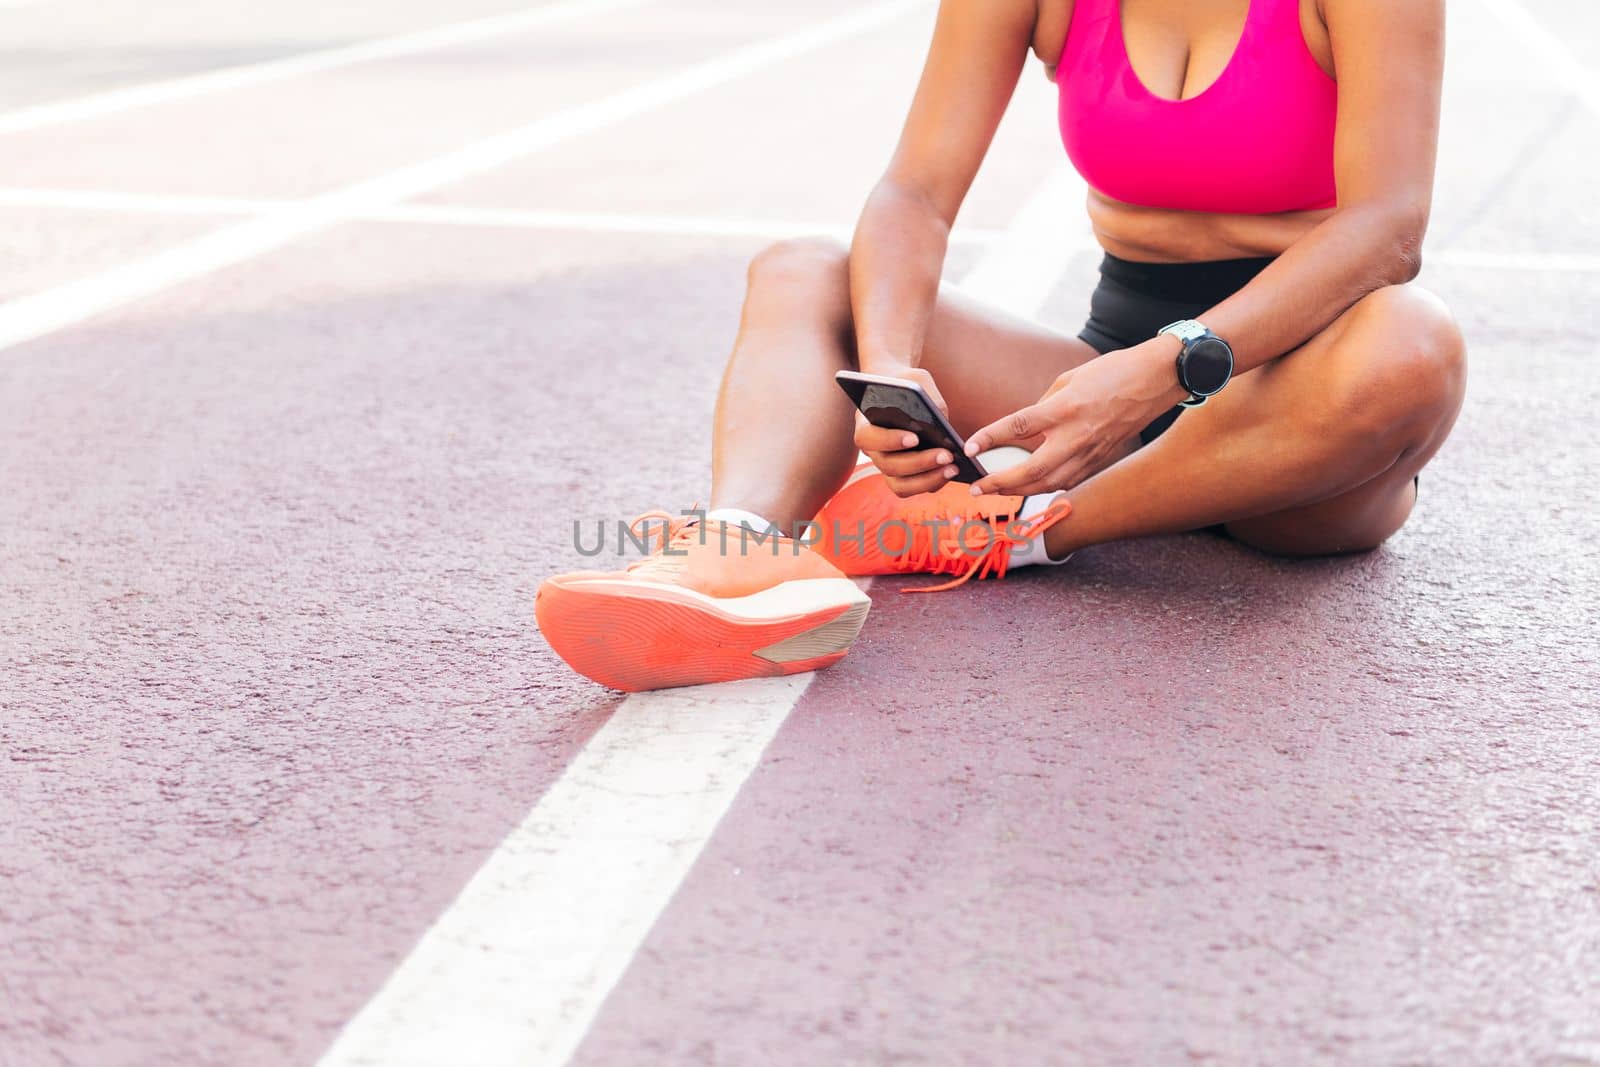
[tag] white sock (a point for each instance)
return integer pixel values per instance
(740, 517)
(1034, 552)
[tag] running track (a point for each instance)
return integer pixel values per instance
(321, 327)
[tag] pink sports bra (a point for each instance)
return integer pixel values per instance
(1259, 139)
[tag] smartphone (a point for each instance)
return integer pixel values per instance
(902, 405)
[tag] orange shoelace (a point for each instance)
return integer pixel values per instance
(942, 540)
(674, 531)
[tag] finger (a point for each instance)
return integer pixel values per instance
(1048, 484)
(1078, 468)
(903, 464)
(1034, 475)
(1016, 428)
(910, 464)
(915, 486)
(1043, 488)
(870, 438)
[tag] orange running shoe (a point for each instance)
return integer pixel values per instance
(713, 604)
(867, 529)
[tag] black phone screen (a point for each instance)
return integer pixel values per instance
(902, 409)
(905, 408)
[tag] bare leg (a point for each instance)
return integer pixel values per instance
(1312, 454)
(783, 439)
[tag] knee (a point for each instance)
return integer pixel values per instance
(1402, 365)
(807, 268)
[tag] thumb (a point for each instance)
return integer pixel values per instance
(1059, 384)
(1017, 428)
(924, 379)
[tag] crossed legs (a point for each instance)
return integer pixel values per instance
(1310, 455)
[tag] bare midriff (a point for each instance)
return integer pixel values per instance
(1159, 235)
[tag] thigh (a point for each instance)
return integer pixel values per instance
(1391, 368)
(1357, 520)
(989, 363)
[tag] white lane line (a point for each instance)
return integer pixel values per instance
(452, 215)
(138, 203)
(1556, 262)
(514, 971)
(1555, 58)
(519, 965)
(1057, 218)
(111, 102)
(41, 313)
(663, 225)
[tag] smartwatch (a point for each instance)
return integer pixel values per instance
(1204, 365)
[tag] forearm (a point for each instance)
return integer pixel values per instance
(896, 259)
(1318, 278)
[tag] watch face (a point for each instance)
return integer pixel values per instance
(1207, 365)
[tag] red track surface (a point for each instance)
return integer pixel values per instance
(270, 691)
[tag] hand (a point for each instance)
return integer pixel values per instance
(1081, 423)
(908, 471)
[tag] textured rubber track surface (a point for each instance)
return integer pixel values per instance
(646, 639)
(271, 691)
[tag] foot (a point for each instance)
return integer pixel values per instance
(713, 604)
(946, 532)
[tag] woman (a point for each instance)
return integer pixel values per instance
(1261, 174)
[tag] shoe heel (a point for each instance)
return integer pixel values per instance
(833, 637)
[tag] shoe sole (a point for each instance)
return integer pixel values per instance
(635, 636)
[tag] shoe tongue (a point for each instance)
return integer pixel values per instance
(668, 559)
(1005, 507)
(659, 564)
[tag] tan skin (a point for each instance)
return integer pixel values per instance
(1348, 375)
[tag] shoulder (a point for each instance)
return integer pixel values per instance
(1401, 39)
(991, 23)
(1403, 15)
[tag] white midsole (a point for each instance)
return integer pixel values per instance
(801, 596)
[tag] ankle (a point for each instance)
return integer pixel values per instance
(1039, 550)
(749, 520)
(1065, 538)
